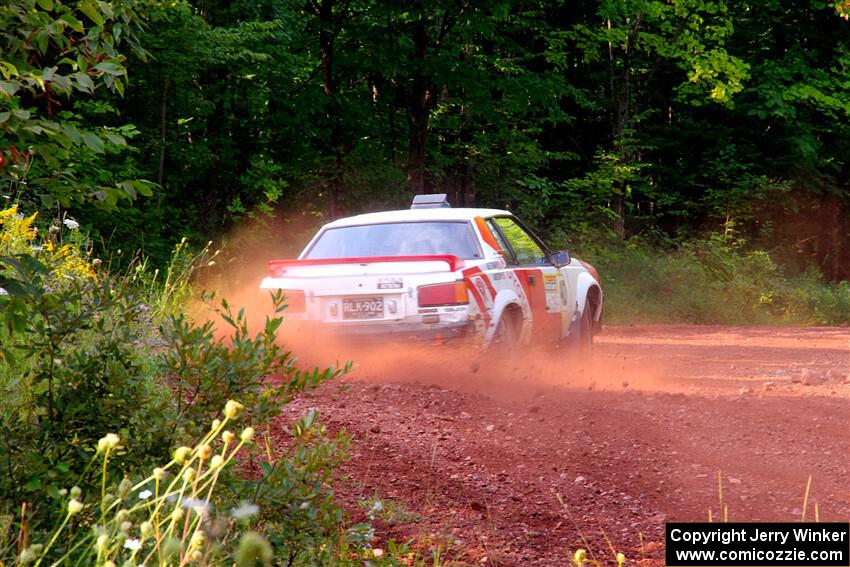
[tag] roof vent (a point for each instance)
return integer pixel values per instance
(436, 201)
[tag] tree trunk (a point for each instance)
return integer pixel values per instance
(337, 187)
(419, 112)
(162, 133)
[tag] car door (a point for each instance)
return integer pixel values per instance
(541, 281)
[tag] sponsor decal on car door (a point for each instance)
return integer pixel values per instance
(540, 280)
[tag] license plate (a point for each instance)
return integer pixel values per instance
(362, 308)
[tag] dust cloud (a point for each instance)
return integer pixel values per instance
(522, 373)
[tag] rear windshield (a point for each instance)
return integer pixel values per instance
(397, 239)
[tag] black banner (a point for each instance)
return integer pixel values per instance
(738, 544)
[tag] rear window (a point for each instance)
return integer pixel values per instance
(397, 239)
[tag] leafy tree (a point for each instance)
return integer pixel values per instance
(54, 131)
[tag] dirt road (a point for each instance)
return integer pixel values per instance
(667, 423)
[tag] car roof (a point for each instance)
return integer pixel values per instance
(417, 215)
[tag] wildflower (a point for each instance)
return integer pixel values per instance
(125, 487)
(108, 442)
(227, 437)
(159, 473)
(205, 451)
(196, 555)
(109, 564)
(378, 552)
(216, 462)
(71, 224)
(133, 544)
(121, 516)
(146, 529)
(247, 434)
(3, 291)
(27, 556)
(254, 549)
(96, 263)
(579, 557)
(232, 409)
(177, 514)
(200, 507)
(102, 543)
(76, 492)
(181, 454)
(145, 494)
(621, 559)
(74, 507)
(245, 510)
(197, 541)
(216, 423)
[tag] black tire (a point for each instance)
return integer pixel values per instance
(506, 337)
(585, 335)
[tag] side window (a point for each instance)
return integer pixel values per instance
(503, 248)
(526, 249)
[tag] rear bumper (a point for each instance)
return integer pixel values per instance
(387, 331)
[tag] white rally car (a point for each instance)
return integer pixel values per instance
(439, 273)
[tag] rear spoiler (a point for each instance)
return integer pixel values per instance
(278, 267)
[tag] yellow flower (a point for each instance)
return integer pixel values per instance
(579, 557)
(232, 409)
(181, 454)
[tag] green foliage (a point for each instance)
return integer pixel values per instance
(52, 144)
(71, 369)
(714, 281)
(204, 371)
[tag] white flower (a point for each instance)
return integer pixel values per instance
(74, 507)
(378, 552)
(108, 441)
(71, 224)
(132, 544)
(245, 510)
(3, 291)
(145, 494)
(200, 507)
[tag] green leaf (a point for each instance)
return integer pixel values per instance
(75, 24)
(46, 5)
(9, 88)
(110, 68)
(84, 82)
(72, 133)
(115, 138)
(93, 141)
(90, 10)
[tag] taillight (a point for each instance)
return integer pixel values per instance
(294, 298)
(453, 293)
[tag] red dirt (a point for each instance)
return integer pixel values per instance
(471, 456)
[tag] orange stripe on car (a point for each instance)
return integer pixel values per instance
(486, 235)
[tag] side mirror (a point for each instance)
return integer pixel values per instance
(561, 259)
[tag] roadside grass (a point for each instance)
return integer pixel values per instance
(711, 281)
